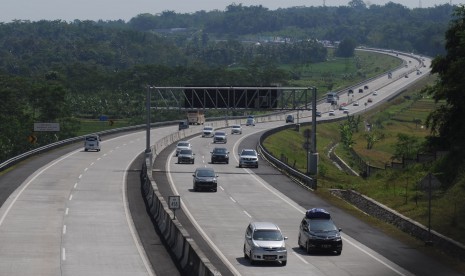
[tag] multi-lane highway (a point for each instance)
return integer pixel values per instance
(71, 215)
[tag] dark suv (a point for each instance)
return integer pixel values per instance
(220, 155)
(317, 232)
(205, 179)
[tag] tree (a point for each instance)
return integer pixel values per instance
(406, 147)
(346, 48)
(372, 137)
(446, 121)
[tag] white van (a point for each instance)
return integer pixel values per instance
(92, 142)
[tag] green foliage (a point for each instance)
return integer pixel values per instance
(446, 121)
(407, 147)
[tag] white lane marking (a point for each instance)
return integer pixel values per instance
(92, 163)
(130, 222)
(221, 188)
(63, 254)
(196, 225)
(232, 199)
(75, 185)
(80, 176)
(247, 214)
(71, 197)
(86, 169)
(300, 257)
(66, 211)
(64, 229)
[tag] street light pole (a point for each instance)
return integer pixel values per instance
(148, 152)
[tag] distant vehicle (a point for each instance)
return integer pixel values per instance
(355, 103)
(331, 113)
(342, 106)
(375, 93)
(220, 155)
(248, 158)
(183, 125)
(92, 142)
(351, 91)
(182, 145)
(195, 117)
(205, 179)
(264, 241)
(317, 232)
(406, 76)
(207, 131)
(289, 119)
(186, 156)
(365, 87)
(220, 137)
(370, 100)
(318, 113)
(236, 129)
(360, 90)
(331, 97)
(250, 121)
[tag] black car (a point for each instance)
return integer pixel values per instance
(289, 119)
(317, 232)
(220, 155)
(205, 179)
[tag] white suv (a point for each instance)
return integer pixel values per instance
(248, 158)
(264, 242)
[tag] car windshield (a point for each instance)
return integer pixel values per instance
(219, 133)
(207, 128)
(183, 144)
(267, 235)
(205, 173)
(248, 152)
(185, 152)
(236, 127)
(219, 150)
(322, 225)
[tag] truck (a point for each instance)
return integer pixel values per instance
(195, 117)
(332, 97)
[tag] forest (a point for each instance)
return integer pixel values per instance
(57, 71)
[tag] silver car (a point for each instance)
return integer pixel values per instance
(264, 242)
(248, 158)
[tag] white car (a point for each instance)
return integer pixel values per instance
(355, 104)
(207, 131)
(250, 121)
(331, 113)
(236, 129)
(375, 93)
(248, 158)
(182, 145)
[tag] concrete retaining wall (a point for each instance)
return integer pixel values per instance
(413, 228)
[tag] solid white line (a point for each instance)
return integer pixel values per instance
(80, 176)
(66, 211)
(64, 229)
(63, 254)
(247, 214)
(75, 185)
(131, 226)
(232, 199)
(300, 257)
(86, 169)
(71, 197)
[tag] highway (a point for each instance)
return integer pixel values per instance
(70, 216)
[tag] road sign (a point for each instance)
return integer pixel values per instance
(32, 139)
(46, 127)
(174, 203)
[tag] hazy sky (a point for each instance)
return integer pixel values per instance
(69, 10)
